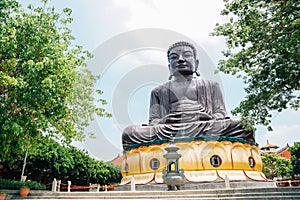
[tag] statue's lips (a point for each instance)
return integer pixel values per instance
(181, 66)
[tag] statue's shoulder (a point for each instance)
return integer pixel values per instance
(206, 82)
(163, 86)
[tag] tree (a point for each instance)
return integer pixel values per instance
(52, 160)
(295, 158)
(276, 166)
(88, 170)
(45, 88)
(262, 39)
(115, 175)
(49, 160)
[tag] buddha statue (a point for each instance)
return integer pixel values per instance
(185, 106)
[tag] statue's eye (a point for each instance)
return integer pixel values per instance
(173, 56)
(187, 55)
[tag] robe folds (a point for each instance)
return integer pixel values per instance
(186, 121)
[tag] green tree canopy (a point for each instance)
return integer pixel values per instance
(45, 88)
(295, 158)
(276, 166)
(263, 48)
(71, 163)
(52, 160)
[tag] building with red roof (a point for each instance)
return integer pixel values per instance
(272, 148)
(117, 160)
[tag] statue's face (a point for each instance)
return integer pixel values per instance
(182, 61)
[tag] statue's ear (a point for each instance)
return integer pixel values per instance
(196, 68)
(171, 75)
(196, 64)
(169, 66)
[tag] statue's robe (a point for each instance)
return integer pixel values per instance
(199, 96)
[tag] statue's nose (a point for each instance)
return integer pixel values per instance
(181, 58)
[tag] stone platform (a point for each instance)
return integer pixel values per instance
(200, 186)
(289, 193)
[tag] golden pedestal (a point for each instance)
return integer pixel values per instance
(202, 161)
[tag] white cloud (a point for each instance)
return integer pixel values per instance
(193, 18)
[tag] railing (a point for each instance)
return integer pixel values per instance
(288, 183)
(87, 188)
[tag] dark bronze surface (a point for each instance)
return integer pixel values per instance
(185, 106)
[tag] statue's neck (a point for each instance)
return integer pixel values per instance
(182, 78)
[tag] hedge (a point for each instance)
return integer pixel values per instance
(15, 185)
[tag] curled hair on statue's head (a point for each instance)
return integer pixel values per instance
(180, 44)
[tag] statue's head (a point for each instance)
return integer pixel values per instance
(182, 59)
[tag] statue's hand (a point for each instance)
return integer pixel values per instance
(196, 116)
(172, 118)
(168, 119)
(204, 116)
(183, 117)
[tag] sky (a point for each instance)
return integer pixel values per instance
(129, 39)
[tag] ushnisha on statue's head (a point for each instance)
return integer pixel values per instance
(182, 58)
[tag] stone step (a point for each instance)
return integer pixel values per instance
(188, 198)
(177, 197)
(200, 186)
(238, 194)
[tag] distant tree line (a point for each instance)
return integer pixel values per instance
(47, 162)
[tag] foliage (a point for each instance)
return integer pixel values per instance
(114, 175)
(45, 88)
(276, 166)
(295, 158)
(262, 39)
(12, 184)
(52, 160)
(91, 170)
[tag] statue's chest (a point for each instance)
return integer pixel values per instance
(183, 90)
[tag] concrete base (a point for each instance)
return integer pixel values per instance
(200, 186)
(289, 193)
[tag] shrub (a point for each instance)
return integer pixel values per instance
(15, 185)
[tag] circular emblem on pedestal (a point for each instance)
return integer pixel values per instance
(215, 161)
